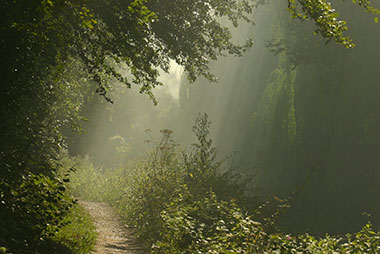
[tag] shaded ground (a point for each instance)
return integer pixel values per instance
(113, 235)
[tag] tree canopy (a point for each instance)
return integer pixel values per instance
(144, 35)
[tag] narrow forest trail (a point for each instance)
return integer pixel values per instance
(113, 236)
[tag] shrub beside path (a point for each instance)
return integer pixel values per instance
(113, 235)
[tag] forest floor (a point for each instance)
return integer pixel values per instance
(113, 236)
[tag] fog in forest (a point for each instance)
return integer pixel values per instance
(302, 115)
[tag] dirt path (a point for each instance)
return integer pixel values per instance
(113, 236)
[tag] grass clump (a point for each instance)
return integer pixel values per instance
(78, 234)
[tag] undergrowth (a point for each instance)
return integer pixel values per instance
(78, 235)
(44, 219)
(180, 202)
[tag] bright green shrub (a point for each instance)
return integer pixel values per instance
(141, 190)
(167, 174)
(179, 202)
(213, 227)
(85, 180)
(207, 225)
(78, 234)
(30, 210)
(151, 185)
(200, 218)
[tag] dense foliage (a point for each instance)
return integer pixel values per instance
(50, 51)
(326, 19)
(77, 235)
(304, 116)
(143, 35)
(32, 196)
(174, 208)
(44, 218)
(55, 53)
(37, 204)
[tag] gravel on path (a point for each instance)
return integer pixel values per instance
(113, 236)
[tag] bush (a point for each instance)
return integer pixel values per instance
(86, 181)
(207, 226)
(31, 211)
(151, 185)
(180, 202)
(78, 235)
(141, 190)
